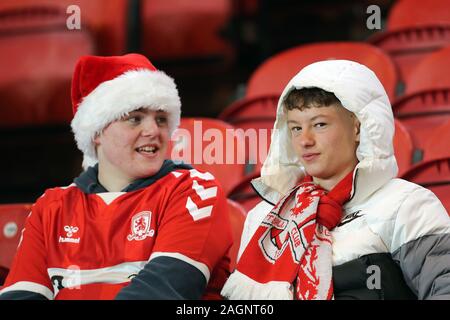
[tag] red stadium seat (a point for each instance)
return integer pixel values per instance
(415, 28)
(255, 116)
(426, 104)
(403, 147)
(422, 112)
(273, 75)
(438, 143)
(263, 106)
(432, 73)
(237, 219)
(210, 145)
(37, 60)
(244, 194)
(12, 221)
(108, 22)
(407, 47)
(185, 30)
(434, 175)
(411, 13)
(105, 20)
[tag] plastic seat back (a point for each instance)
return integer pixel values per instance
(438, 143)
(421, 113)
(256, 117)
(409, 46)
(210, 145)
(37, 60)
(244, 194)
(434, 175)
(274, 74)
(180, 30)
(415, 29)
(260, 107)
(12, 221)
(237, 219)
(106, 20)
(403, 147)
(426, 104)
(432, 73)
(412, 13)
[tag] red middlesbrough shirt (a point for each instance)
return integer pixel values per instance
(88, 246)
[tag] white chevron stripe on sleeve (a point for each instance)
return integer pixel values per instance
(176, 174)
(205, 176)
(197, 213)
(204, 193)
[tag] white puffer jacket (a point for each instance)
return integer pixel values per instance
(385, 214)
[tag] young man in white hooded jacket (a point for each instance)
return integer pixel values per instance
(334, 222)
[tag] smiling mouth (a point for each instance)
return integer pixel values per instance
(150, 150)
(310, 156)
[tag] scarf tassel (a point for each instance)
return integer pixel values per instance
(241, 287)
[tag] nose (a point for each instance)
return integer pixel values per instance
(306, 138)
(149, 127)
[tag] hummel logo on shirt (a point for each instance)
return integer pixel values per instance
(70, 231)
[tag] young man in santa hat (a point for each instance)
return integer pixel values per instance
(334, 221)
(133, 225)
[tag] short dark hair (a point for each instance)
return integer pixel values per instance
(309, 97)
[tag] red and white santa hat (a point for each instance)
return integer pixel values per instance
(104, 89)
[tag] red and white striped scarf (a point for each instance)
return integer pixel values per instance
(290, 254)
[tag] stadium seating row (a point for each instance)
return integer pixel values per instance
(414, 29)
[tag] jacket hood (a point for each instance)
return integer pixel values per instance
(360, 92)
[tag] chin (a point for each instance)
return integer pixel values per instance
(143, 174)
(315, 172)
(147, 171)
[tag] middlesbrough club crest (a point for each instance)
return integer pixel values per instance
(140, 226)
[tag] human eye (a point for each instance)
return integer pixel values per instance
(296, 129)
(133, 119)
(161, 120)
(320, 125)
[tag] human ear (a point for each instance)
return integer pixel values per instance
(96, 139)
(357, 125)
